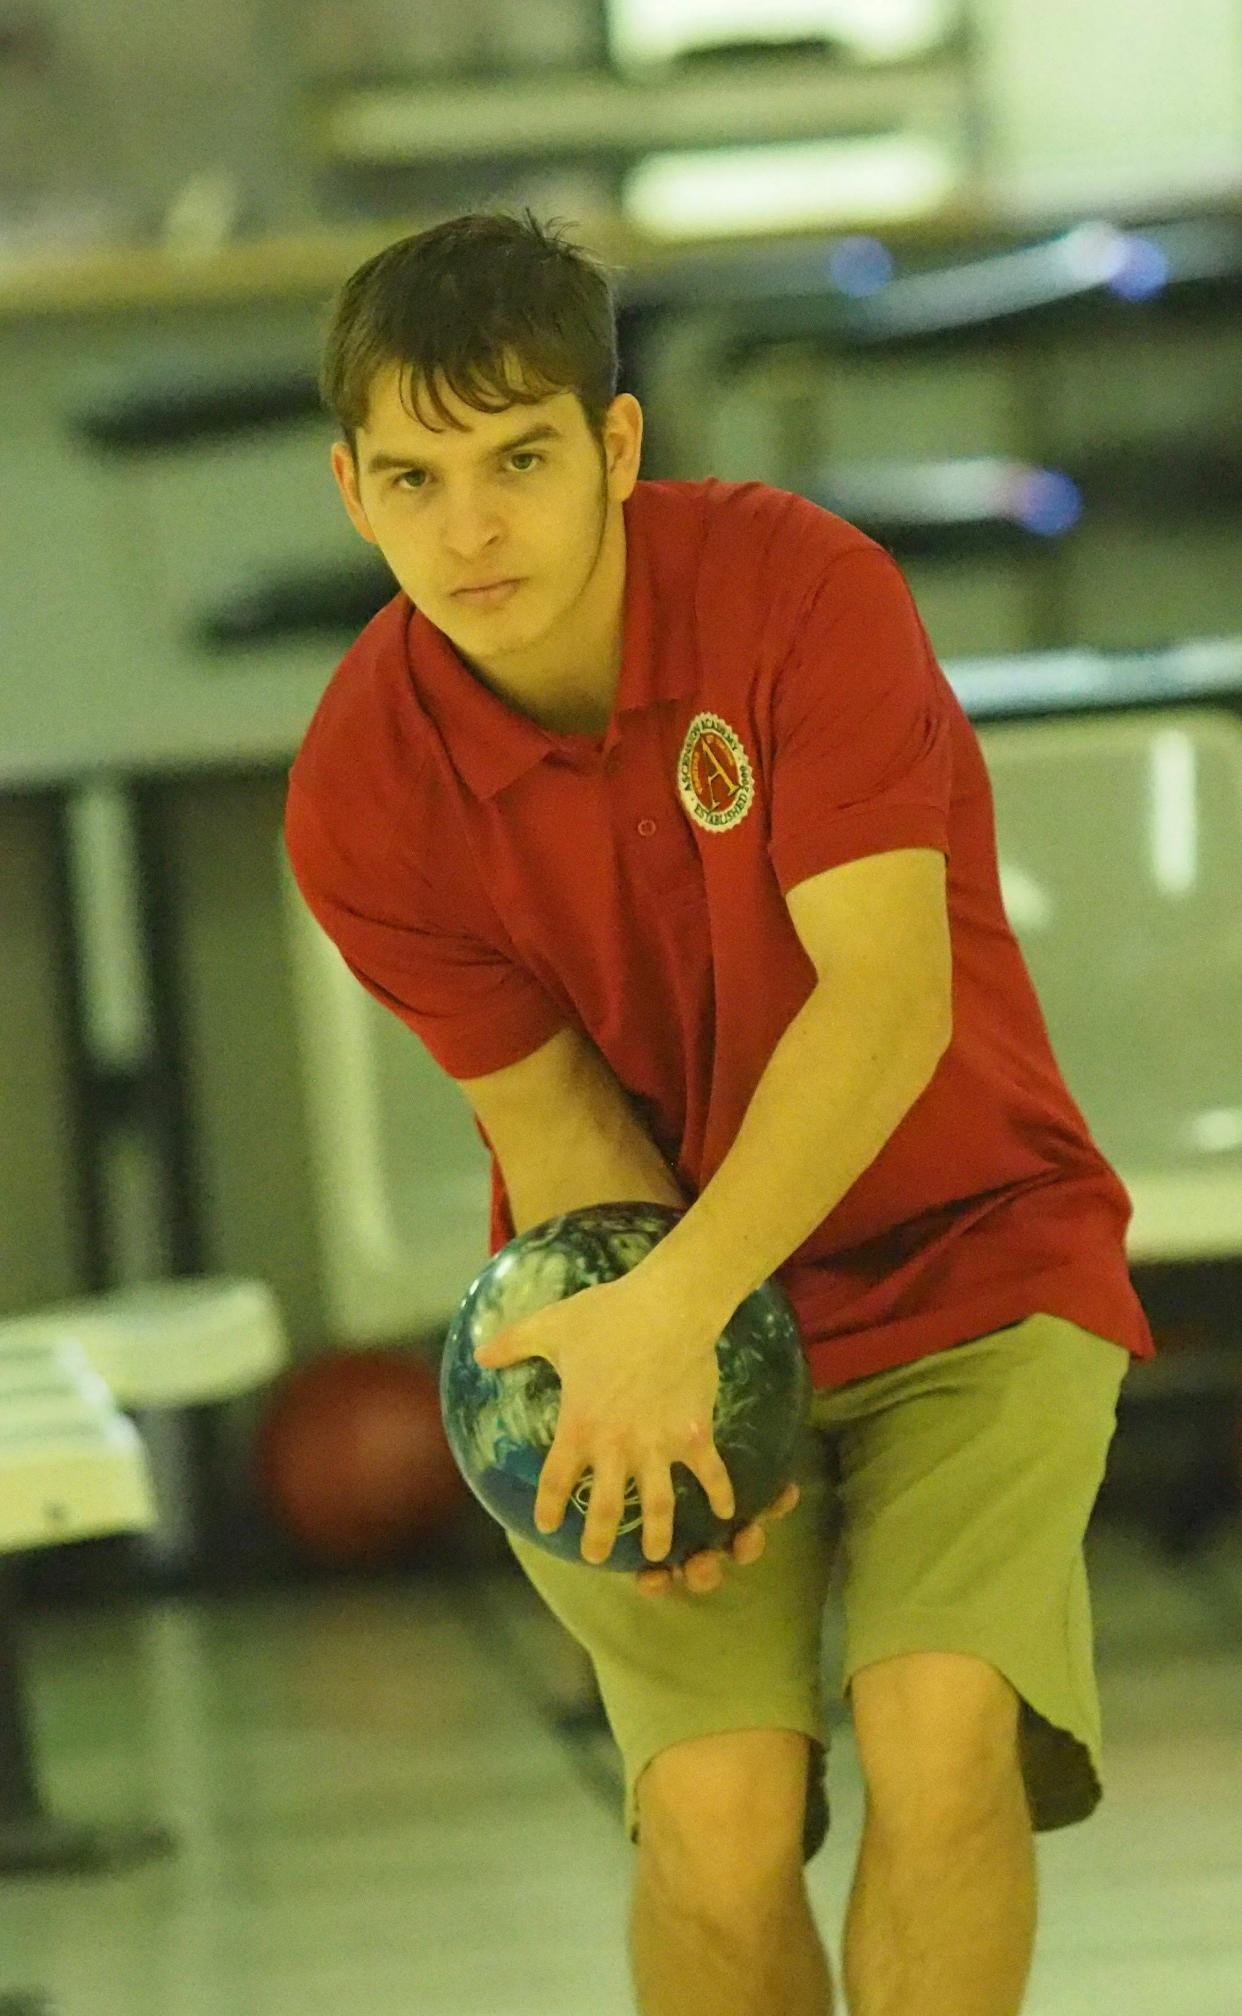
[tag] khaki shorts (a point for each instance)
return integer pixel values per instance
(956, 1492)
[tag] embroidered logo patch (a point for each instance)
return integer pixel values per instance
(714, 775)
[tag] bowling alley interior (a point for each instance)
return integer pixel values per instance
(284, 1726)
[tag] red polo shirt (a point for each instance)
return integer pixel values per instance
(780, 711)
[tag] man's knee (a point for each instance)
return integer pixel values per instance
(937, 1735)
(722, 1816)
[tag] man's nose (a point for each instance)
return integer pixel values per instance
(471, 525)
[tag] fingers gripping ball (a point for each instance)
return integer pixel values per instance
(501, 1422)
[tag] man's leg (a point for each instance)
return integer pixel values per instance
(942, 1914)
(721, 1922)
(722, 1954)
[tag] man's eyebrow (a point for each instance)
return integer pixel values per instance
(544, 432)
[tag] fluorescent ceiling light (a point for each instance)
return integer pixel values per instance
(644, 31)
(729, 191)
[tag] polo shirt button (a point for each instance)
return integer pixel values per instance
(646, 827)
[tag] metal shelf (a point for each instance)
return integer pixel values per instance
(802, 98)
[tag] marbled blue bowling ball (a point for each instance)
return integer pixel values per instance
(500, 1422)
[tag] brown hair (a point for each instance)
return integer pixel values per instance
(465, 300)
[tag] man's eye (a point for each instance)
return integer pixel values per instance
(518, 455)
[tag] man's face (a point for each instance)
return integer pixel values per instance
(457, 509)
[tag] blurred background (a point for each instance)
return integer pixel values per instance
(275, 1703)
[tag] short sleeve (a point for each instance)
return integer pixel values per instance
(472, 1006)
(862, 734)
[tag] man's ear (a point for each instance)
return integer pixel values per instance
(347, 483)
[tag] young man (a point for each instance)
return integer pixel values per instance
(648, 808)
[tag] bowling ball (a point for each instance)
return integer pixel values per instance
(352, 1460)
(501, 1421)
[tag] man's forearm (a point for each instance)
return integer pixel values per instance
(842, 1077)
(607, 1158)
(838, 1083)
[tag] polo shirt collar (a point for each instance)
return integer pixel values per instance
(489, 743)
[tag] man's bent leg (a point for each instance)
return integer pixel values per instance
(722, 1924)
(942, 1915)
(720, 1956)
(942, 1912)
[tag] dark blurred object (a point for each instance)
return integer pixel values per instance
(352, 1461)
(1090, 277)
(298, 602)
(26, 37)
(764, 49)
(180, 402)
(1175, 1466)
